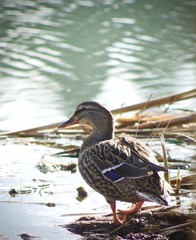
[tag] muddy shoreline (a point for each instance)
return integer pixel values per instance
(165, 223)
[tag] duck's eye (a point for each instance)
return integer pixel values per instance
(78, 111)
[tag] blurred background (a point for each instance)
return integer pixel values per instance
(56, 53)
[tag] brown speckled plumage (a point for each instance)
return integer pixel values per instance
(118, 168)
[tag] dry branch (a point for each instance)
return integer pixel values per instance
(157, 102)
(173, 121)
(140, 106)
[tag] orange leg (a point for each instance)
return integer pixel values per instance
(133, 209)
(113, 207)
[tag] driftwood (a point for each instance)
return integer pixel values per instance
(140, 106)
(170, 121)
(158, 102)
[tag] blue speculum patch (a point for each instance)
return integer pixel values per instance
(112, 175)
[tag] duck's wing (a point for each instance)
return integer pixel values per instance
(122, 157)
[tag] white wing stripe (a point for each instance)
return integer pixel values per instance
(111, 168)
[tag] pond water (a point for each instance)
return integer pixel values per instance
(55, 54)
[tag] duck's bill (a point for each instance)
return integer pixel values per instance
(69, 122)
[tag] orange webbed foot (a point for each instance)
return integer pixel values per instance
(133, 209)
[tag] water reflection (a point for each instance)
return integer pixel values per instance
(55, 54)
(121, 91)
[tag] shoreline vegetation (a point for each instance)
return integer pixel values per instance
(151, 120)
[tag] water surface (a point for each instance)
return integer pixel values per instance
(55, 54)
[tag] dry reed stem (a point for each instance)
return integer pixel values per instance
(148, 104)
(174, 121)
(141, 112)
(167, 178)
(178, 182)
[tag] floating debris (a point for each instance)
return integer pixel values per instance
(26, 236)
(25, 190)
(68, 167)
(50, 164)
(50, 204)
(82, 194)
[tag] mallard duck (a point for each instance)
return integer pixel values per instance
(123, 169)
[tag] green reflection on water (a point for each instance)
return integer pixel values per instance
(56, 54)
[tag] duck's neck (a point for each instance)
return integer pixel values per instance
(101, 132)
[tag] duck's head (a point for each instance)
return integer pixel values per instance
(90, 113)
